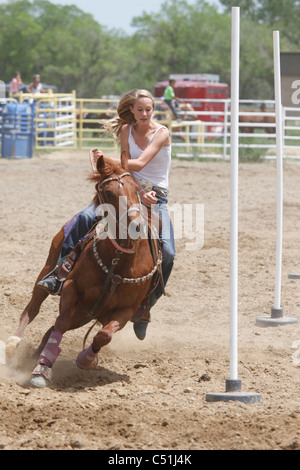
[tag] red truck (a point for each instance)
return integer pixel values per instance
(196, 89)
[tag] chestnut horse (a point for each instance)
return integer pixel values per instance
(110, 279)
(257, 120)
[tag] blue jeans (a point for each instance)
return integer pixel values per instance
(78, 226)
(172, 108)
(166, 236)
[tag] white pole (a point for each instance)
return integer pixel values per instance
(234, 160)
(233, 385)
(279, 149)
(277, 318)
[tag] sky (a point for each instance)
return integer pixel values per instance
(117, 13)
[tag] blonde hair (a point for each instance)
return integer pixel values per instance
(125, 116)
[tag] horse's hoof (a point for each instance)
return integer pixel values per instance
(39, 381)
(41, 376)
(87, 359)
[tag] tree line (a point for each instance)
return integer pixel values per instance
(71, 50)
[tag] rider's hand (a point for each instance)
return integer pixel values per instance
(149, 198)
(97, 153)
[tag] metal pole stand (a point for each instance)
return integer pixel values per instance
(276, 319)
(234, 393)
(294, 276)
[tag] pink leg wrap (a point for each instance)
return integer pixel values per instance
(51, 350)
(87, 359)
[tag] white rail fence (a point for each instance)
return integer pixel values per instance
(202, 133)
(257, 131)
(56, 121)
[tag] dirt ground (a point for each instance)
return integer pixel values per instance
(152, 394)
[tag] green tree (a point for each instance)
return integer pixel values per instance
(184, 38)
(18, 37)
(66, 46)
(71, 50)
(279, 15)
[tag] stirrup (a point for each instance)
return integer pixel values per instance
(51, 284)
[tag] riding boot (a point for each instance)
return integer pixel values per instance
(50, 282)
(54, 280)
(142, 318)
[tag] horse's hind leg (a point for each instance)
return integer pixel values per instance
(38, 295)
(32, 309)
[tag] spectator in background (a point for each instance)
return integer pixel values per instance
(35, 86)
(169, 96)
(16, 83)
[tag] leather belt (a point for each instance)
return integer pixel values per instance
(161, 192)
(147, 186)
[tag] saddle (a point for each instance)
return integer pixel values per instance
(62, 271)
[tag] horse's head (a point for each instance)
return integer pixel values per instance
(118, 199)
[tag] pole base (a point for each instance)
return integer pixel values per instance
(276, 319)
(234, 393)
(237, 396)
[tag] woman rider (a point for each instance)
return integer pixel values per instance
(148, 146)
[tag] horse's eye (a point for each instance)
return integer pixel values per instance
(108, 194)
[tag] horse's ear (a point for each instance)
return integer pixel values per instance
(100, 163)
(124, 159)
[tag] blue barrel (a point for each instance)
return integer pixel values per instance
(17, 130)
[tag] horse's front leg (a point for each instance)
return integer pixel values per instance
(88, 358)
(42, 374)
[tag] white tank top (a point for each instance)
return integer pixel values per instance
(157, 170)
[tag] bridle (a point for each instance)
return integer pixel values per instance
(114, 178)
(134, 208)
